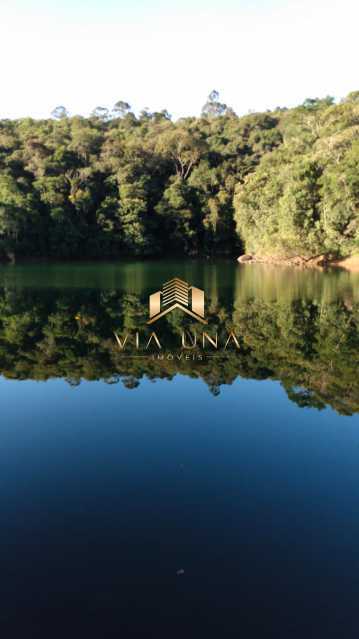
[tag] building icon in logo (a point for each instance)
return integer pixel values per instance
(177, 294)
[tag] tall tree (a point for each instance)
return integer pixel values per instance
(59, 113)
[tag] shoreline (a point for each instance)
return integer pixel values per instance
(349, 263)
(317, 261)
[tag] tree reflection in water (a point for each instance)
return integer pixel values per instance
(302, 330)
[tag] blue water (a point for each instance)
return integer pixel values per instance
(254, 499)
(168, 510)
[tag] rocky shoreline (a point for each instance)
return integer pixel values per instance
(315, 261)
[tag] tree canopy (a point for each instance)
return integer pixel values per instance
(117, 184)
(303, 197)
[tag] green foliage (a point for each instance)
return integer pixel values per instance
(214, 107)
(115, 184)
(303, 199)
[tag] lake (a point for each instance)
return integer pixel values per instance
(154, 490)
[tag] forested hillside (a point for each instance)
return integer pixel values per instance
(115, 184)
(303, 199)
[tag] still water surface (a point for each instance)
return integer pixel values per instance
(209, 496)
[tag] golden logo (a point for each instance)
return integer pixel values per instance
(177, 294)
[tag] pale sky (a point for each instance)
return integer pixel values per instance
(258, 54)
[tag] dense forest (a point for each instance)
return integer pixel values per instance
(116, 184)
